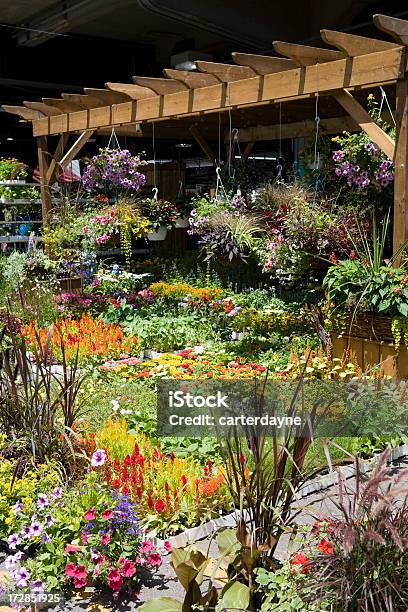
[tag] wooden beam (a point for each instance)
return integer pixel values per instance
(370, 70)
(303, 55)
(366, 122)
(300, 129)
(59, 152)
(25, 113)
(44, 109)
(107, 96)
(76, 147)
(63, 105)
(400, 226)
(191, 79)
(160, 86)
(247, 151)
(263, 64)
(83, 101)
(397, 28)
(42, 150)
(353, 45)
(136, 92)
(225, 72)
(203, 144)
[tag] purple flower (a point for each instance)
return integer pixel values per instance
(11, 561)
(36, 529)
(13, 541)
(42, 501)
(37, 586)
(338, 156)
(98, 458)
(57, 493)
(21, 576)
(25, 531)
(17, 507)
(48, 520)
(45, 538)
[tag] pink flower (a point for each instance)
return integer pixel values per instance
(154, 559)
(114, 580)
(127, 567)
(106, 515)
(70, 570)
(80, 571)
(71, 548)
(90, 515)
(84, 538)
(105, 539)
(145, 547)
(80, 583)
(167, 546)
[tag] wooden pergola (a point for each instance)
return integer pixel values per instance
(254, 89)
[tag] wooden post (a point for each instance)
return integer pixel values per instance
(42, 148)
(400, 234)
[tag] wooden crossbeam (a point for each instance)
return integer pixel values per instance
(64, 105)
(44, 109)
(22, 111)
(198, 137)
(191, 79)
(353, 45)
(371, 70)
(83, 101)
(397, 28)
(366, 122)
(263, 64)
(59, 152)
(107, 96)
(76, 147)
(136, 92)
(303, 55)
(225, 72)
(160, 86)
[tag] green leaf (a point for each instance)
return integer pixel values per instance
(163, 604)
(236, 595)
(403, 309)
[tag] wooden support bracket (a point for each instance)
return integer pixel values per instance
(198, 137)
(366, 122)
(400, 232)
(42, 149)
(76, 147)
(247, 151)
(53, 166)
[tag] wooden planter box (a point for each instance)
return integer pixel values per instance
(368, 353)
(71, 284)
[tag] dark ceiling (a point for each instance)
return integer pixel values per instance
(47, 47)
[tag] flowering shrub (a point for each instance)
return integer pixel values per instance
(74, 305)
(113, 169)
(186, 365)
(113, 548)
(170, 492)
(89, 337)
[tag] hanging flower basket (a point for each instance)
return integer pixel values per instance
(182, 222)
(159, 235)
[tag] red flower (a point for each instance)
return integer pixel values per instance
(397, 290)
(159, 506)
(127, 567)
(114, 580)
(105, 538)
(89, 515)
(167, 546)
(154, 559)
(106, 515)
(70, 570)
(333, 259)
(242, 458)
(149, 500)
(325, 547)
(302, 560)
(80, 575)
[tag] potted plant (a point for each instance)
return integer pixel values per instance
(113, 171)
(183, 207)
(12, 171)
(162, 215)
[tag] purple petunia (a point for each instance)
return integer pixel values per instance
(42, 501)
(48, 520)
(36, 529)
(25, 531)
(21, 576)
(98, 458)
(17, 508)
(57, 493)
(13, 541)
(37, 586)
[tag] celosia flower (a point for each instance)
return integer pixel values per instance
(159, 506)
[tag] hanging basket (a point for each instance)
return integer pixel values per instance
(182, 222)
(159, 235)
(368, 326)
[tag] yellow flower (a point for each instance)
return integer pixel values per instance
(8, 520)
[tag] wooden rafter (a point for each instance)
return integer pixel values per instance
(366, 122)
(397, 28)
(23, 112)
(83, 101)
(135, 92)
(64, 105)
(353, 45)
(225, 72)
(306, 56)
(191, 79)
(44, 109)
(106, 96)
(263, 64)
(160, 86)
